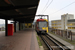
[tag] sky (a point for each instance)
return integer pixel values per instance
(54, 10)
(2, 21)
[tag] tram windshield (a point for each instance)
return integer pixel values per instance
(42, 24)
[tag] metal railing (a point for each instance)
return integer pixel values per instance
(63, 33)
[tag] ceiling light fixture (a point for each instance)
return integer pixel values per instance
(17, 10)
(32, 7)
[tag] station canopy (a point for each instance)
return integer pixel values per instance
(18, 10)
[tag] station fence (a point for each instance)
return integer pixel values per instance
(63, 33)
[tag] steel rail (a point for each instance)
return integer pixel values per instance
(46, 43)
(57, 42)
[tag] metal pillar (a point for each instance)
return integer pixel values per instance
(15, 26)
(19, 26)
(48, 21)
(22, 26)
(6, 27)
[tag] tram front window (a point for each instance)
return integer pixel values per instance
(42, 24)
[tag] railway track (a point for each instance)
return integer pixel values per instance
(53, 44)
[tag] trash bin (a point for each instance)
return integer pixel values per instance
(10, 29)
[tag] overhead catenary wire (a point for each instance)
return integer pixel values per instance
(63, 8)
(47, 6)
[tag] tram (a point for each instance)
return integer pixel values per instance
(41, 26)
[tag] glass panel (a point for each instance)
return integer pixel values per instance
(42, 24)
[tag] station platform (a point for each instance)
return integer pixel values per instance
(72, 47)
(21, 40)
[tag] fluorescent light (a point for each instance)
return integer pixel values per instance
(32, 7)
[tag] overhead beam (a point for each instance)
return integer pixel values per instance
(25, 21)
(15, 16)
(26, 17)
(41, 15)
(3, 8)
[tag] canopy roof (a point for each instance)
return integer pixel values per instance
(18, 10)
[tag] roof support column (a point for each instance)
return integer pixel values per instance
(6, 27)
(22, 26)
(15, 26)
(19, 26)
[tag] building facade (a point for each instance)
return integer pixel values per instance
(71, 25)
(56, 24)
(64, 23)
(64, 20)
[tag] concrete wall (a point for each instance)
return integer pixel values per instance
(64, 20)
(70, 16)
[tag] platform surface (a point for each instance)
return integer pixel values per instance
(21, 40)
(72, 47)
